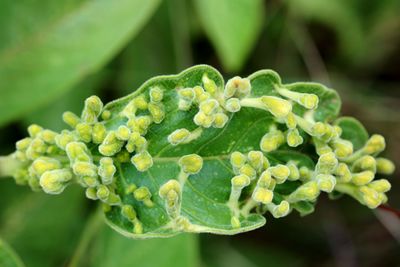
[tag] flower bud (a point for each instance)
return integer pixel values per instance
(343, 173)
(34, 130)
(48, 136)
(272, 140)
(103, 192)
(256, 159)
(237, 85)
(365, 163)
(187, 94)
(84, 131)
(128, 212)
(264, 180)
(191, 164)
(294, 171)
(43, 164)
(106, 170)
(370, 197)
(309, 101)
(362, 178)
(178, 136)
(156, 94)
(157, 112)
(171, 185)
(375, 144)
(77, 151)
(381, 185)
(54, 181)
(247, 170)
(123, 133)
(23, 144)
(220, 120)
(140, 102)
(326, 182)
(280, 173)
(91, 193)
(281, 210)
(385, 166)
(142, 161)
(308, 191)
(99, 133)
(64, 138)
(233, 105)
(71, 119)
(209, 106)
(279, 107)
(81, 168)
(343, 148)
(237, 159)
(291, 122)
(209, 85)
(240, 181)
(294, 138)
(106, 115)
(262, 195)
(203, 120)
(327, 163)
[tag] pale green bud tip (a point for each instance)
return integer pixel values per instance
(142, 161)
(375, 144)
(99, 133)
(256, 159)
(123, 133)
(237, 85)
(34, 130)
(64, 138)
(140, 102)
(103, 192)
(326, 182)
(156, 94)
(385, 166)
(279, 107)
(91, 193)
(327, 162)
(294, 171)
(191, 164)
(220, 120)
(106, 170)
(23, 144)
(209, 106)
(280, 172)
(262, 195)
(281, 210)
(265, 179)
(171, 185)
(71, 119)
(201, 119)
(186, 94)
(43, 164)
(84, 131)
(238, 159)
(157, 112)
(48, 136)
(248, 170)
(309, 101)
(365, 163)
(90, 181)
(381, 185)
(319, 129)
(128, 212)
(54, 181)
(233, 105)
(343, 172)
(209, 85)
(343, 148)
(240, 181)
(82, 168)
(271, 141)
(307, 191)
(142, 193)
(77, 151)
(178, 136)
(106, 115)
(94, 103)
(362, 178)
(291, 121)
(294, 138)
(370, 197)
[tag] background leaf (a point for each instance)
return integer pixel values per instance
(8, 258)
(40, 58)
(233, 27)
(353, 131)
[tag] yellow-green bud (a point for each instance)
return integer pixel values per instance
(84, 131)
(343, 148)
(171, 185)
(220, 120)
(54, 181)
(240, 181)
(281, 210)
(48, 136)
(375, 144)
(362, 178)
(309, 101)
(305, 173)
(156, 94)
(238, 159)
(191, 164)
(23, 144)
(64, 138)
(209, 106)
(111, 145)
(365, 163)
(34, 130)
(294, 171)
(233, 105)
(187, 94)
(319, 129)
(143, 194)
(106, 115)
(381, 185)
(203, 120)
(89, 181)
(123, 133)
(178, 136)
(36, 148)
(71, 119)
(91, 193)
(294, 138)
(99, 133)
(43, 164)
(385, 166)
(140, 102)
(248, 170)
(327, 163)
(106, 170)
(142, 124)
(265, 179)
(262, 195)
(308, 191)
(370, 197)
(256, 159)
(157, 112)
(209, 85)
(343, 173)
(82, 168)
(238, 85)
(291, 122)
(103, 192)
(280, 173)
(128, 212)
(77, 151)
(184, 104)
(279, 107)
(142, 161)
(326, 182)
(272, 140)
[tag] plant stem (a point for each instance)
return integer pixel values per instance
(7, 166)
(91, 228)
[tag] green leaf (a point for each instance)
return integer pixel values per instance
(353, 131)
(111, 249)
(48, 48)
(233, 27)
(8, 258)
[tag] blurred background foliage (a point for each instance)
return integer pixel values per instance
(54, 54)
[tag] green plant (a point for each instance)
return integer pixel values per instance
(189, 153)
